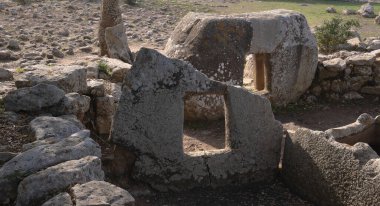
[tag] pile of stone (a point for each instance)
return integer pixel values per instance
(346, 75)
(63, 160)
(339, 166)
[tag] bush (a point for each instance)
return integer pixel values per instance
(103, 67)
(334, 32)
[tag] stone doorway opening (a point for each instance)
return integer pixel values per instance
(204, 134)
(257, 72)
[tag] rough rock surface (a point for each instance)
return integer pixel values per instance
(5, 75)
(117, 44)
(37, 187)
(101, 193)
(72, 103)
(218, 46)
(68, 78)
(149, 122)
(34, 98)
(327, 172)
(60, 127)
(367, 11)
(41, 157)
(63, 199)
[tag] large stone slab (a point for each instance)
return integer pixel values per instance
(41, 157)
(335, 167)
(101, 193)
(39, 186)
(34, 98)
(68, 78)
(218, 45)
(149, 123)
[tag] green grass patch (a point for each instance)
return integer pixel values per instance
(314, 11)
(20, 70)
(103, 67)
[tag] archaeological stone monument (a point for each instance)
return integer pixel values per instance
(277, 46)
(339, 166)
(149, 123)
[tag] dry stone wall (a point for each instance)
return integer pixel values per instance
(345, 76)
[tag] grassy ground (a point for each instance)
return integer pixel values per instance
(314, 10)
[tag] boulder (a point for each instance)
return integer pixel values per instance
(72, 103)
(41, 157)
(280, 40)
(32, 99)
(149, 123)
(117, 43)
(367, 11)
(335, 65)
(5, 75)
(63, 199)
(331, 10)
(101, 193)
(361, 59)
(67, 78)
(44, 184)
(44, 127)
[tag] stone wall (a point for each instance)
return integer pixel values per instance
(345, 76)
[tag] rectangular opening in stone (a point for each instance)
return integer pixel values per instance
(204, 123)
(257, 72)
(371, 136)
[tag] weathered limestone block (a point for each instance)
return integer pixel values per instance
(149, 123)
(41, 157)
(335, 65)
(96, 88)
(63, 199)
(59, 127)
(117, 43)
(101, 193)
(284, 48)
(72, 103)
(363, 59)
(33, 99)
(367, 11)
(336, 167)
(105, 109)
(67, 78)
(44, 184)
(50, 130)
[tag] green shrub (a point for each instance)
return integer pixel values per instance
(334, 32)
(103, 67)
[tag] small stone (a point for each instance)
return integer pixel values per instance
(57, 53)
(5, 75)
(86, 49)
(348, 12)
(375, 90)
